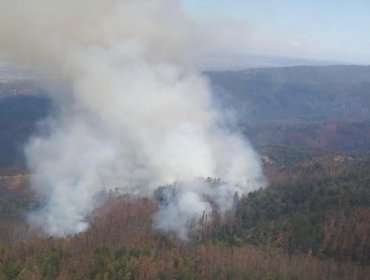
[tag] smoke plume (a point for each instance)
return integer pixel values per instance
(133, 112)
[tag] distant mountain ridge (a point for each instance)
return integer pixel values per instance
(238, 61)
(303, 107)
(301, 93)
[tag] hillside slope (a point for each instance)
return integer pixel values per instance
(302, 93)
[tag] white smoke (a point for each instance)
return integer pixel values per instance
(182, 210)
(137, 114)
(185, 203)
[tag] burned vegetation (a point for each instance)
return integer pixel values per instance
(311, 222)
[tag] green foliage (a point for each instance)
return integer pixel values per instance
(165, 241)
(11, 269)
(292, 215)
(188, 272)
(268, 276)
(49, 262)
(117, 263)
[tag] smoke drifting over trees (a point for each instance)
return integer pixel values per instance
(133, 113)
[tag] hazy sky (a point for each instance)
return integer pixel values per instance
(336, 30)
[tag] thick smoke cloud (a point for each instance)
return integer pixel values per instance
(185, 203)
(134, 113)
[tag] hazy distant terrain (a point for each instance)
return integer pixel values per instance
(22, 104)
(305, 107)
(324, 107)
(292, 94)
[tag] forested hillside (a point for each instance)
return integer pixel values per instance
(311, 126)
(305, 107)
(311, 222)
(302, 93)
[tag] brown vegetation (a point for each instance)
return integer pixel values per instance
(121, 244)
